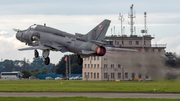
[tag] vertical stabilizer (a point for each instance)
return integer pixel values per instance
(98, 32)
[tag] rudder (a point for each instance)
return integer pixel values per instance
(98, 32)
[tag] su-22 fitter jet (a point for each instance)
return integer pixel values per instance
(47, 38)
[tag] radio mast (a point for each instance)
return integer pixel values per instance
(131, 16)
(122, 20)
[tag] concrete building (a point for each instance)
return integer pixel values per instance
(124, 65)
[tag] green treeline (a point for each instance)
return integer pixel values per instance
(37, 66)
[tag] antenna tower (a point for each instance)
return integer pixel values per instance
(114, 31)
(145, 30)
(122, 20)
(131, 16)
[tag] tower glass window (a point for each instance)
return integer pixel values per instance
(130, 42)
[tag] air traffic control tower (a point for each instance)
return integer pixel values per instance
(125, 65)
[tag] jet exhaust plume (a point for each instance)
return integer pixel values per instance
(151, 64)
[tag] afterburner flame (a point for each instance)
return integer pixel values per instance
(101, 51)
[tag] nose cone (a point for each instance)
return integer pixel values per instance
(19, 36)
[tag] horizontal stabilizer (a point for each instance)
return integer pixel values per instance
(98, 42)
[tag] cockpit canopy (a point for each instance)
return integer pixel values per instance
(32, 27)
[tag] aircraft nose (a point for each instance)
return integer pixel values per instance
(19, 35)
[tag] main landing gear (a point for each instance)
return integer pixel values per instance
(45, 55)
(47, 60)
(80, 60)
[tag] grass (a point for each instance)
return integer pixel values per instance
(89, 86)
(79, 99)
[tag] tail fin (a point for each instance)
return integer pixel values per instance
(99, 32)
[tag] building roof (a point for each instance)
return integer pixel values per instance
(112, 37)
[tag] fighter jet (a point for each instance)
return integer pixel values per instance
(50, 39)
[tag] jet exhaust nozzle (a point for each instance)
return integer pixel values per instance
(101, 51)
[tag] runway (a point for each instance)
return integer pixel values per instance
(102, 95)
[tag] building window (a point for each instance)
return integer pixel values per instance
(88, 65)
(119, 66)
(130, 42)
(97, 65)
(137, 42)
(126, 75)
(146, 77)
(112, 75)
(88, 75)
(84, 74)
(144, 42)
(112, 65)
(91, 65)
(139, 76)
(105, 75)
(97, 75)
(153, 50)
(94, 65)
(88, 58)
(94, 75)
(95, 58)
(159, 50)
(118, 43)
(115, 42)
(91, 57)
(122, 42)
(105, 59)
(105, 65)
(85, 65)
(91, 74)
(133, 75)
(119, 75)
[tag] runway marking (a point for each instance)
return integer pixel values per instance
(102, 95)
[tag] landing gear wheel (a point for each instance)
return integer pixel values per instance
(36, 54)
(46, 61)
(80, 60)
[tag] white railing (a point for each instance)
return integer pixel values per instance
(140, 45)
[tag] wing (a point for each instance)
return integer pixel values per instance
(34, 47)
(53, 46)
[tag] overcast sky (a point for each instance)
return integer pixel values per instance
(163, 20)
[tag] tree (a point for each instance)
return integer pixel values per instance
(61, 66)
(18, 65)
(75, 68)
(172, 60)
(26, 74)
